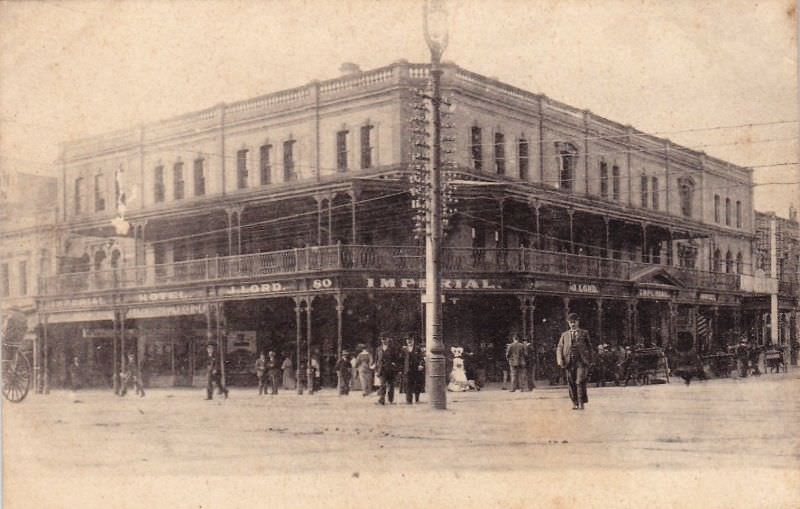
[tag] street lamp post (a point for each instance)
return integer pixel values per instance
(436, 36)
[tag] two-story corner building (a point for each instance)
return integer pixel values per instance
(286, 222)
(28, 243)
(777, 259)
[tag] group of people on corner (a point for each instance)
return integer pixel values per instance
(384, 369)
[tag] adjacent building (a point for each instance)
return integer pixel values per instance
(287, 222)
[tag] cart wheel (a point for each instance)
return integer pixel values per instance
(16, 378)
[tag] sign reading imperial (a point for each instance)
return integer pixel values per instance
(447, 284)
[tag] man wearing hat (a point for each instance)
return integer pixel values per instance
(386, 364)
(344, 370)
(413, 370)
(515, 354)
(214, 372)
(574, 355)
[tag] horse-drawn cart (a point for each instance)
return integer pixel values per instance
(16, 367)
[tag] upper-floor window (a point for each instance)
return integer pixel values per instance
(158, 184)
(5, 287)
(686, 190)
(727, 211)
(341, 150)
(119, 192)
(567, 159)
(687, 255)
(738, 214)
(728, 262)
(615, 184)
(241, 169)
(366, 146)
(177, 181)
(717, 204)
(524, 158)
(99, 192)
(603, 179)
(23, 278)
(476, 148)
(739, 263)
(199, 177)
(499, 153)
(643, 185)
(78, 195)
(264, 165)
(288, 161)
(654, 191)
(717, 261)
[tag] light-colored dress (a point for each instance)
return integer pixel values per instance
(288, 374)
(458, 376)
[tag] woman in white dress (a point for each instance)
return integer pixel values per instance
(458, 376)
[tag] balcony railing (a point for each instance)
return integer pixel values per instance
(391, 259)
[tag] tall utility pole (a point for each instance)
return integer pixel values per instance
(435, 19)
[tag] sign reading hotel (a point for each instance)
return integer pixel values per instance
(173, 295)
(447, 284)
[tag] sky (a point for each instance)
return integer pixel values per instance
(72, 69)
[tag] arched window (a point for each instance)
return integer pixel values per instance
(99, 257)
(717, 261)
(716, 208)
(686, 189)
(728, 262)
(739, 263)
(567, 159)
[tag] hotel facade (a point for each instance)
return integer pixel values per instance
(287, 222)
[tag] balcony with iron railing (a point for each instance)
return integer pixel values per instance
(391, 259)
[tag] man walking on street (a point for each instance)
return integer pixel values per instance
(574, 354)
(273, 373)
(386, 361)
(516, 362)
(413, 370)
(214, 373)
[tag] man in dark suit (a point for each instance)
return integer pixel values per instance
(413, 370)
(516, 362)
(214, 373)
(386, 367)
(574, 355)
